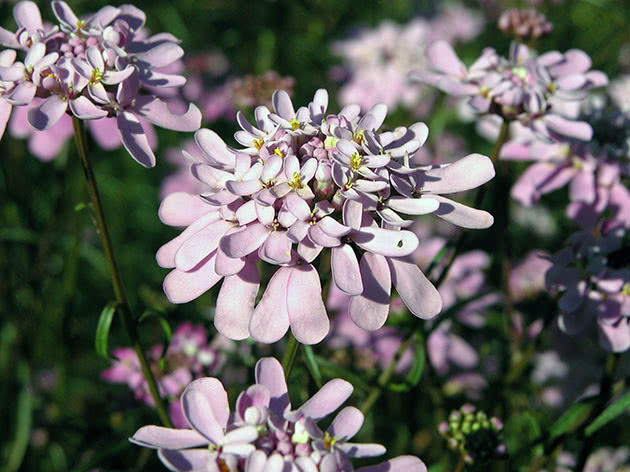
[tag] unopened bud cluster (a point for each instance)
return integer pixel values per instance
(475, 436)
(524, 24)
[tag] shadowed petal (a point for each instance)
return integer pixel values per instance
(370, 309)
(134, 139)
(328, 398)
(182, 209)
(48, 113)
(270, 320)
(416, 291)
(464, 174)
(158, 437)
(462, 215)
(84, 109)
(188, 460)
(347, 423)
(345, 270)
(156, 111)
(182, 287)
(235, 303)
(398, 464)
(244, 242)
(306, 310)
(386, 242)
(270, 374)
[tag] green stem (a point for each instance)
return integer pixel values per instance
(605, 390)
(289, 355)
(461, 464)
(501, 139)
(385, 377)
(124, 311)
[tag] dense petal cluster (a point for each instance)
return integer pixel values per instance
(377, 61)
(306, 181)
(532, 89)
(593, 282)
(524, 24)
(91, 68)
(264, 432)
(189, 356)
(594, 171)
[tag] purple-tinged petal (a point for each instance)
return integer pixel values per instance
(182, 287)
(270, 320)
(282, 104)
(214, 147)
(413, 206)
(197, 406)
(308, 250)
(235, 303)
(270, 374)
(398, 464)
(614, 337)
(322, 239)
(134, 139)
(243, 188)
(443, 58)
(156, 111)
(333, 228)
(306, 310)
(345, 270)
(386, 242)
(276, 249)
(462, 215)
(48, 113)
(64, 14)
(5, 113)
(416, 291)
(182, 209)
(84, 109)
(214, 391)
(197, 247)
(352, 214)
(27, 15)
(572, 129)
(347, 423)
(160, 55)
(227, 266)
(166, 254)
(244, 242)
(297, 206)
(370, 309)
(187, 460)
(465, 174)
(327, 399)
(362, 450)
(158, 437)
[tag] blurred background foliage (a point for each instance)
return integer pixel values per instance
(56, 412)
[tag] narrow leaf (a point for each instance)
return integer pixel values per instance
(571, 418)
(414, 375)
(311, 364)
(610, 413)
(101, 340)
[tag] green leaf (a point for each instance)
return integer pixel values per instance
(414, 375)
(166, 329)
(23, 420)
(571, 418)
(609, 414)
(338, 371)
(102, 330)
(311, 364)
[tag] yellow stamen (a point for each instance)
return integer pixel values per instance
(329, 441)
(626, 289)
(356, 161)
(278, 152)
(358, 136)
(258, 143)
(296, 181)
(295, 124)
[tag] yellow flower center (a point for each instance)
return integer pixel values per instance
(81, 24)
(484, 91)
(329, 441)
(626, 289)
(97, 76)
(520, 72)
(356, 161)
(278, 152)
(258, 143)
(295, 124)
(551, 87)
(296, 181)
(358, 136)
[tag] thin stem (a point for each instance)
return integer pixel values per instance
(385, 377)
(123, 309)
(501, 139)
(289, 355)
(605, 389)
(461, 464)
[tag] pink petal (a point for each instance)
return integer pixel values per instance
(182, 287)
(276, 249)
(413, 206)
(345, 270)
(330, 397)
(198, 411)
(244, 242)
(347, 423)
(270, 320)
(370, 309)
(386, 242)
(398, 464)
(134, 139)
(158, 437)
(416, 291)
(306, 310)
(235, 304)
(48, 113)
(166, 254)
(443, 58)
(186, 460)
(202, 243)
(462, 215)
(270, 374)
(182, 209)
(464, 174)
(156, 111)
(27, 14)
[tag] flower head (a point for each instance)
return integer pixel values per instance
(307, 182)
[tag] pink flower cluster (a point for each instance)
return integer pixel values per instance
(303, 182)
(264, 433)
(378, 60)
(92, 69)
(534, 90)
(189, 356)
(594, 284)
(594, 171)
